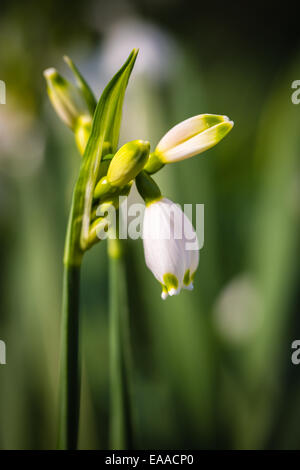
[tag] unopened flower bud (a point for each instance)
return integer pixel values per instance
(67, 99)
(128, 162)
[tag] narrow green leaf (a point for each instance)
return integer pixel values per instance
(82, 84)
(105, 127)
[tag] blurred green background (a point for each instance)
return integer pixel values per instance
(212, 368)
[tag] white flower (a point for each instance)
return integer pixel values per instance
(167, 234)
(192, 136)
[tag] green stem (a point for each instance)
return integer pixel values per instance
(70, 376)
(120, 436)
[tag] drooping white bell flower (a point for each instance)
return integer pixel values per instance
(189, 138)
(167, 236)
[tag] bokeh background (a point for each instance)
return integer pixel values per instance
(212, 368)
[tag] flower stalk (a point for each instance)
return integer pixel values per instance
(70, 367)
(121, 422)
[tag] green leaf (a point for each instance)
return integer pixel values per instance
(105, 127)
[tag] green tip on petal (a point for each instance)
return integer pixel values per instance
(54, 80)
(186, 279)
(164, 292)
(223, 129)
(211, 120)
(171, 283)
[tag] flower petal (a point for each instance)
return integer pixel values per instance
(164, 254)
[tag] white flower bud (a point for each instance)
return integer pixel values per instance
(189, 138)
